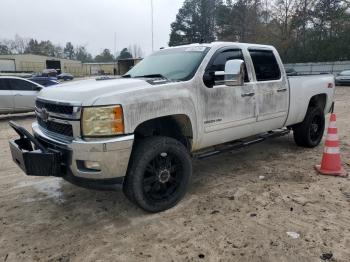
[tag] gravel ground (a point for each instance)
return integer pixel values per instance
(229, 213)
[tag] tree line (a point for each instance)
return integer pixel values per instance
(21, 45)
(302, 30)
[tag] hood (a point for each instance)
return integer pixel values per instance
(88, 91)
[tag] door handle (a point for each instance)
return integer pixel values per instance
(248, 94)
(18, 95)
(282, 90)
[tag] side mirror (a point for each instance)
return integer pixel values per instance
(37, 88)
(234, 72)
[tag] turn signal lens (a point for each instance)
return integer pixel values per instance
(118, 125)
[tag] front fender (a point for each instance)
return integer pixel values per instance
(166, 101)
(138, 113)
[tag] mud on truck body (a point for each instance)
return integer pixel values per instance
(143, 129)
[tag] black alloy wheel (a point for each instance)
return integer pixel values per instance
(309, 133)
(162, 177)
(158, 174)
(316, 128)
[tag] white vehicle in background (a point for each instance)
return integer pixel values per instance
(343, 78)
(17, 95)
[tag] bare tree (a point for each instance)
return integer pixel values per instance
(283, 13)
(20, 44)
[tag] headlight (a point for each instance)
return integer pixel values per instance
(102, 121)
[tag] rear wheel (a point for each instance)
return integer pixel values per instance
(309, 133)
(158, 174)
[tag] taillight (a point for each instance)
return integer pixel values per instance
(330, 85)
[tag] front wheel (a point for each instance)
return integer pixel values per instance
(309, 133)
(158, 174)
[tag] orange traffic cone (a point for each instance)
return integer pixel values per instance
(331, 163)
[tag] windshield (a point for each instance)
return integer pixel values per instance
(177, 64)
(345, 73)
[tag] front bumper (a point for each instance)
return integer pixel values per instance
(52, 157)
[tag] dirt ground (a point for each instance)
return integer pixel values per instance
(229, 213)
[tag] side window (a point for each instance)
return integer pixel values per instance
(4, 85)
(218, 64)
(21, 85)
(265, 65)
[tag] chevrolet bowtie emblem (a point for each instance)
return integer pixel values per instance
(44, 115)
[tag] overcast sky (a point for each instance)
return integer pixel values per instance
(90, 22)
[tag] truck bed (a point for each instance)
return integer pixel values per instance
(302, 89)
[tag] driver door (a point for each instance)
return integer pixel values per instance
(229, 111)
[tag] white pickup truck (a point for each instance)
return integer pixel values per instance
(142, 129)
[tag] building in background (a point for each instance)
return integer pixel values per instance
(100, 68)
(111, 68)
(29, 63)
(25, 63)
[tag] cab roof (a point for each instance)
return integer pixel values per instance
(222, 44)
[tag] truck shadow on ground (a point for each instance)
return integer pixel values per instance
(112, 205)
(247, 164)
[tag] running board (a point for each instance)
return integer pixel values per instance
(219, 149)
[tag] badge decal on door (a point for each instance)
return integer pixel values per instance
(212, 121)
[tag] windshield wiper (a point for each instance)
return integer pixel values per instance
(126, 76)
(151, 76)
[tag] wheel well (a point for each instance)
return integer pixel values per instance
(178, 127)
(318, 100)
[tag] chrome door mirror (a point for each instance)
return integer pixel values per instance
(234, 72)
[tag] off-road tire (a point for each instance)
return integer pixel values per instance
(145, 153)
(305, 133)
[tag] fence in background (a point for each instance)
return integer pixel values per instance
(318, 68)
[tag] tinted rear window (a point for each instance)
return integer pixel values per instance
(22, 85)
(4, 85)
(265, 65)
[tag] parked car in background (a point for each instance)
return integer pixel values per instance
(49, 73)
(343, 78)
(22, 75)
(17, 95)
(65, 76)
(291, 72)
(45, 81)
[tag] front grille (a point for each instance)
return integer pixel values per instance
(61, 129)
(55, 108)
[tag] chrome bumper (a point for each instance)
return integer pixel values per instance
(112, 155)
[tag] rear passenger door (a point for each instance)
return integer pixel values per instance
(271, 90)
(25, 93)
(6, 96)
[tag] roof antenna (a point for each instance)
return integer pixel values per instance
(202, 41)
